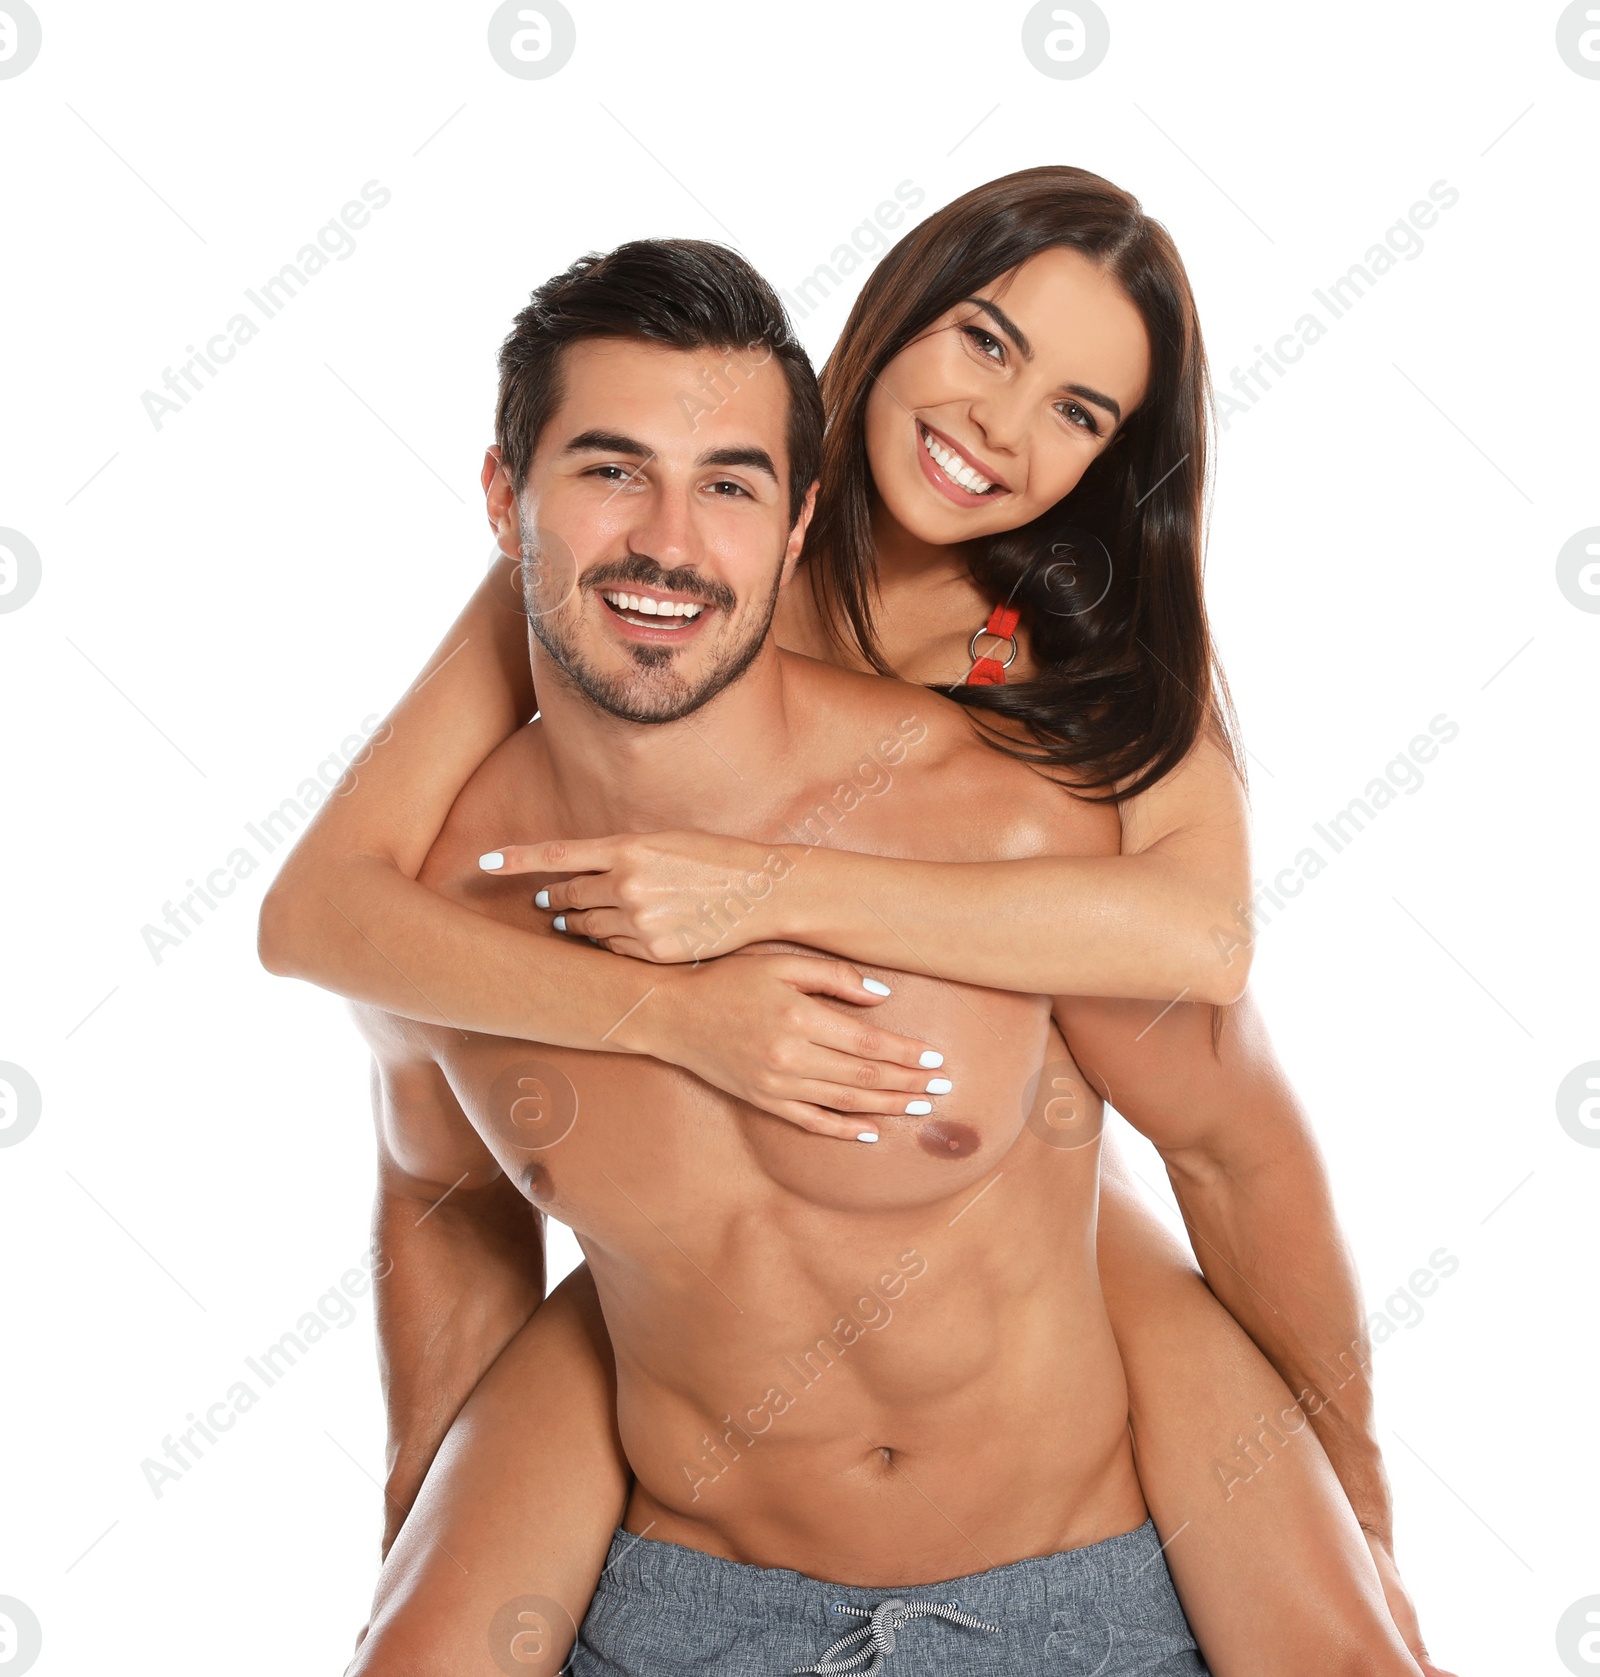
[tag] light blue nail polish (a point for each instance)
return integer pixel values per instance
(560, 922)
(929, 1058)
(918, 1109)
(541, 899)
(940, 1085)
(491, 861)
(866, 1135)
(876, 986)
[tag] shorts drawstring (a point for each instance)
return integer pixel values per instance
(878, 1634)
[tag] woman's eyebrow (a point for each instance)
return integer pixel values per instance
(1006, 325)
(1109, 403)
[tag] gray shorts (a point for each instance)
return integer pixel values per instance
(1108, 1610)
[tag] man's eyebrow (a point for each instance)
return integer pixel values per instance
(604, 442)
(756, 458)
(1025, 349)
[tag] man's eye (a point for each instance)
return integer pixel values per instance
(724, 484)
(612, 474)
(985, 343)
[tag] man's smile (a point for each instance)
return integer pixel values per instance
(654, 614)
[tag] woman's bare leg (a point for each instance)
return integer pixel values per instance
(1268, 1559)
(494, 1567)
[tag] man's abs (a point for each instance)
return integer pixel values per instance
(870, 1361)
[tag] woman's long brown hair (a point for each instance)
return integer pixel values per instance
(1109, 580)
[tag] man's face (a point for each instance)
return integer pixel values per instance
(654, 523)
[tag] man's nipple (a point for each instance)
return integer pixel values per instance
(948, 1141)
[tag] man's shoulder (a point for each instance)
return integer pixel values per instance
(858, 704)
(970, 798)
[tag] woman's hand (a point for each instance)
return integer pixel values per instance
(663, 896)
(756, 1026)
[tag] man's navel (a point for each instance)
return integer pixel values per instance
(948, 1141)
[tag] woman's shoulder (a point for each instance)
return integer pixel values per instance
(1203, 793)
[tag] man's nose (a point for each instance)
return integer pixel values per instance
(665, 527)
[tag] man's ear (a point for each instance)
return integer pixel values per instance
(500, 499)
(797, 536)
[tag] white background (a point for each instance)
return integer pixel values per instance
(224, 599)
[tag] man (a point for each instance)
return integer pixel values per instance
(884, 1365)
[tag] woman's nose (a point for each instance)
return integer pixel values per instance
(1002, 424)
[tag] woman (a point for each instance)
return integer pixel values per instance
(967, 488)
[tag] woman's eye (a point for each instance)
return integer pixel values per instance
(985, 343)
(1081, 417)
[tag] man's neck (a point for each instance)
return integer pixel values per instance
(713, 770)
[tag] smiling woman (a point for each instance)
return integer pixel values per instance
(1022, 387)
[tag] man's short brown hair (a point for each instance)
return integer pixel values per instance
(683, 293)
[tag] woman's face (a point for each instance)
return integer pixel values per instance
(996, 411)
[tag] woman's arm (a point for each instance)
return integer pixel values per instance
(347, 912)
(1269, 1561)
(1256, 1201)
(1164, 919)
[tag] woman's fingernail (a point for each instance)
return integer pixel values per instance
(876, 986)
(541, 899)
(492, 861)
(940, 1085)
(560, 922)
(866, 1135)
(918, 1109)
(929, 1058)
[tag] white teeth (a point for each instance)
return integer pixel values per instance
(954, 467)
(643, 606)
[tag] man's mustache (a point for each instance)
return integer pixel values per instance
(639, 568)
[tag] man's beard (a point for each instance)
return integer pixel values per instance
(654, 692)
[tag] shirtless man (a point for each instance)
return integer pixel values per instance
(888, 1366)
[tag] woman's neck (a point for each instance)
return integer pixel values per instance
(928, 603)
(927, 608)
(905, 560)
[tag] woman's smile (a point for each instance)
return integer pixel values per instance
(954, 471)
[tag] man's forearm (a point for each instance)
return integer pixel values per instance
(1271, 1248)
(460, 1277)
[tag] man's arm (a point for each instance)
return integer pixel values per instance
(462, 1261)
(1255, 1197)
